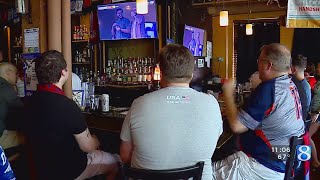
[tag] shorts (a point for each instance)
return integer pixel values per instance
(100, 162)
(239, 166)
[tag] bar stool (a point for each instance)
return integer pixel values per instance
(185, 173)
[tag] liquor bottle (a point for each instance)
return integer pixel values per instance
(76, 71)
(89, 51)
(81, 75)
(84, 55)
(125, 77)
(144, 73)
(97, 79)
(90, 78)
(140, 75)
(76, 59)
(84, 76)
(134, 76)
(78, 33)
(119, 78)
(75, 33)
(149, 76)
(80, 58)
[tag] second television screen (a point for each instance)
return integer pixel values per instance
(120, 21)
(193, 39)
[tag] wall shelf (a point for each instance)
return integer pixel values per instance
(81, 63)
(80, 41)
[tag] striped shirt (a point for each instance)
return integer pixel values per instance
(273, 114)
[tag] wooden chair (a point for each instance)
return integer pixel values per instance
(185, 173)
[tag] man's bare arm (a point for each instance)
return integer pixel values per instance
(126, 149)
(86, 141)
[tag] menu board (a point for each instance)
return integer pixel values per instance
(31, 40)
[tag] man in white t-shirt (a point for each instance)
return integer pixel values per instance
(175, 126)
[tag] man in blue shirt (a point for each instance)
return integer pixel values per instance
(299, 64)
(192, 44)
(270, 117)
(121, 27)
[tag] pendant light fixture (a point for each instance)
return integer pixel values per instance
(142, 6)
(249, 29)
(224, 16)
(22, 6)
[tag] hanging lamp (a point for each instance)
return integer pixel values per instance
(142, 6)
(224, 16)
(249, 29)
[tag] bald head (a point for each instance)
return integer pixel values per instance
(279, 55)
(8, 72)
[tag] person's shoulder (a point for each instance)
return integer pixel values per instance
(7, 91)
(146, 97)
(317, 86)
(70, 103)
(202, 95)
(266, 86)
(306, 84)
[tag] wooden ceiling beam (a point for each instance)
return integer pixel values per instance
(242, 8)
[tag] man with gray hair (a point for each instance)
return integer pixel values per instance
(10, 106)
(267, 121)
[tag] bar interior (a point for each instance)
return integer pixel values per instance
(114, 51)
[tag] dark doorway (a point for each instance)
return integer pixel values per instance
(305, 42)
(247, 47)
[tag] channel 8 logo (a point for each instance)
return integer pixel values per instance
(303, 153)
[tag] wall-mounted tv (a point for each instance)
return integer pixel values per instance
(193, 39)
(120, 21)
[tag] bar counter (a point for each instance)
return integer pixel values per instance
(107, 126)
(108, 122)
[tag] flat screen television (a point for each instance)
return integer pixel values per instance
(193, 39)
(120, 21)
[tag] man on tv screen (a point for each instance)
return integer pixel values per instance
(192, 44)
(198, 46)
(137, 25)
(121, 27)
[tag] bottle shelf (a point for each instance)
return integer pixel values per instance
(80, 41)
(81, 63)
(125, 86)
